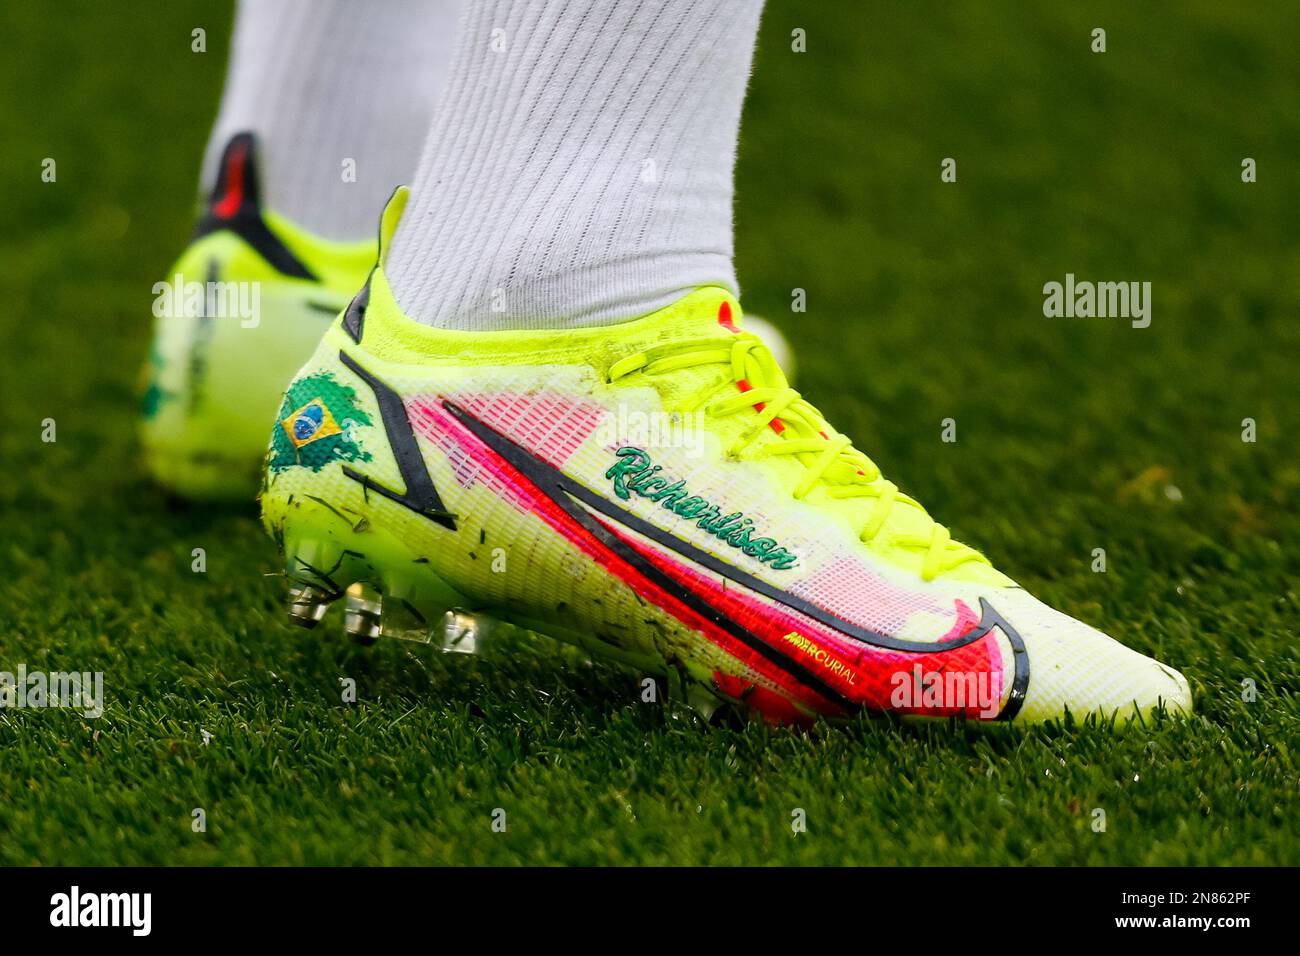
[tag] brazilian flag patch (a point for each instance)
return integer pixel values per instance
(310, 423)
(318, 423)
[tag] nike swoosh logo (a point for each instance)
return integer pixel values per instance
(570, 495)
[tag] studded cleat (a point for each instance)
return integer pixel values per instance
(657, 494)
(235, 317)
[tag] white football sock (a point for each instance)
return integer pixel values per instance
(579, 166)
(321, 82)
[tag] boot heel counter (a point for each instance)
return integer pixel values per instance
(323, 424)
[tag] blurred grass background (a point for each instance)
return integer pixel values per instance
(924, 303)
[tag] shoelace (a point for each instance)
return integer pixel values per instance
(829, 458)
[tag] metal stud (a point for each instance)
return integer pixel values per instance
(465, 633)
(308, 604)
(364, 615)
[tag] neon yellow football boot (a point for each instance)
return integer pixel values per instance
(238, 313)
(656, 493)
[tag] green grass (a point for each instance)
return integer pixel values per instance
(924, 303)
